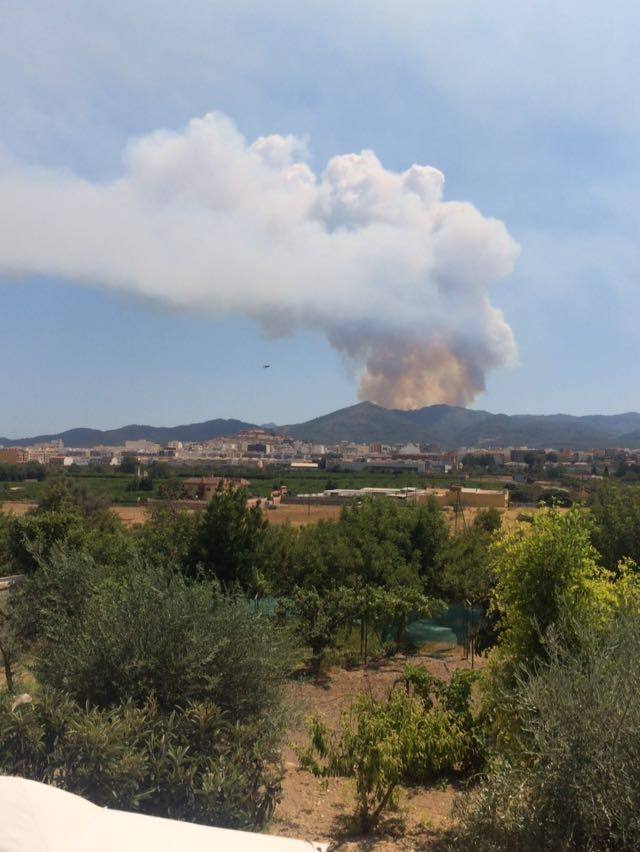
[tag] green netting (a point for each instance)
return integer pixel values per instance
(450, 628)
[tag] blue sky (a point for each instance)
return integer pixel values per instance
(532, 115)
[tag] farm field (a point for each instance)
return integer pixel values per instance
(294, 514)
(120, 488)
(17, 508)
(129, 515)
(511, 517)
(300, 516)
(297, 516)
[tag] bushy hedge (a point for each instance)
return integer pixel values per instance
(106, 636)
(572, 778)
(424, 728)
(191, 764)
(154, 693)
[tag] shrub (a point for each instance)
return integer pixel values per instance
(384, 743)
(67, 514)
(107, 637)
(191, 764)
(58, 589)
(155, 693)
(375, 743)
(540, 573)
(571, 779)
(456, 699)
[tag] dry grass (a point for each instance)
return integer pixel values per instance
(294, 514)
(509, 517)
(131, 515)
(17, 508)
(300, 516)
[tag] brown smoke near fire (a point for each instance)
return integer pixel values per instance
(396, 278)
(410, 376)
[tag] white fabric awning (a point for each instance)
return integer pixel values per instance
(35, 817)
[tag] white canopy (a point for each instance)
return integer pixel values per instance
(35, 817)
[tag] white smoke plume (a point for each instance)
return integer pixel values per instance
(395, 277)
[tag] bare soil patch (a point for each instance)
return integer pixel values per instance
(299, 515)
(17, 507)
(322, 810)
(131, 515)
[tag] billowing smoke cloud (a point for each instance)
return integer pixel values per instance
(396, 278)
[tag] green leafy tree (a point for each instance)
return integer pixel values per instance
(387, 611)
(171, 489)
(20, 472)
(616, 535)
(541, 573)
(67, 513)
(320, 618)
(466, 572)
(167, 537)
(63, 494)
(429, 536)
(229, 539)
(129, 464)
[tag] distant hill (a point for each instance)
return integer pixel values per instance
(630, 439)
(449, 426)
(116, 437)
(453, 427)
(364, 422)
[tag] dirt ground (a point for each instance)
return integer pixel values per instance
(129, 515)
(509, 517)
(299, 515)
(321, 810)
(17, 508)
(296, 515)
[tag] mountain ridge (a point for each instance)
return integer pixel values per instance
(84, 437)
(453, 427)
(448, 426)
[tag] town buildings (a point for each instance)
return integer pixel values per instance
(264, 450)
